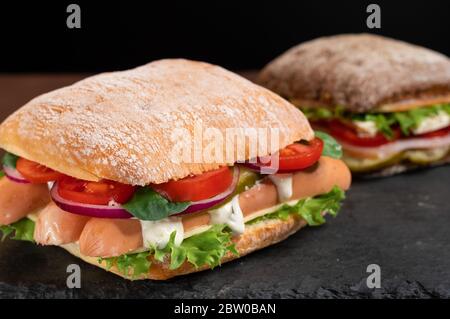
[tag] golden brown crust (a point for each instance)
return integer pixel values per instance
(256, 236)
(359, 72)
(118, 125)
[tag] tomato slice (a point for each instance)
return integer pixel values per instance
(35, 172)
(196, 188)
(300, 155)
(95, 193)
(349, 135)
(438, 133)
(296, 156)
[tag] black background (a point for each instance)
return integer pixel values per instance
(234, 34)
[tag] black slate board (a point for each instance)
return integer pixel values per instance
(401, 223)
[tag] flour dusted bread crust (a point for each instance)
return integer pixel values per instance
(118, 125)
(256, 236)
(360, 72)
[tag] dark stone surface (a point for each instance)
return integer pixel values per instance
(400, 223)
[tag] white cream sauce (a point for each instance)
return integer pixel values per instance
(432, 123)
(366, 128)
(157, 233)
(283, 183)
(229, 214)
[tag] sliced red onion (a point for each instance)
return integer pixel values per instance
(100, 211)
(255, 167)
(210, 202)
(14, 175)
(267, 169)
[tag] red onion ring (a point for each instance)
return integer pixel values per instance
(210, 202)
(100, 211)
(257, 168)
(14, 175)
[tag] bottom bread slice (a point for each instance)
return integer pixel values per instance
(256, 236)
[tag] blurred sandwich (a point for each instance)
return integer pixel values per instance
(387, 102)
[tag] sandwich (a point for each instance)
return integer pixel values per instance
(386, 102)
(96, 169)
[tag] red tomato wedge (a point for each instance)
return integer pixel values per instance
(349, 135)
(36, 173)
(95, 193)
(195, 188)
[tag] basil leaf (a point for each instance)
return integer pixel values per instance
(147, 204)
(10, 160)
(331, 147)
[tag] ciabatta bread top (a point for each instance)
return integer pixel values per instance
(360, 72)
(118, 125)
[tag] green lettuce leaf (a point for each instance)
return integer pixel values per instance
(318, 114)
(21, 230)
(146, 204)
(130, 265)
(139, 262)
(2, 174)
(406, 120)
(383, 123)
(206, 248)
(331, 147)
(322, 113)
(10, 160)
(446, 108)
(418, 115)
(310, 209)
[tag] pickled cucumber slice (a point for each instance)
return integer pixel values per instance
(419, 157)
